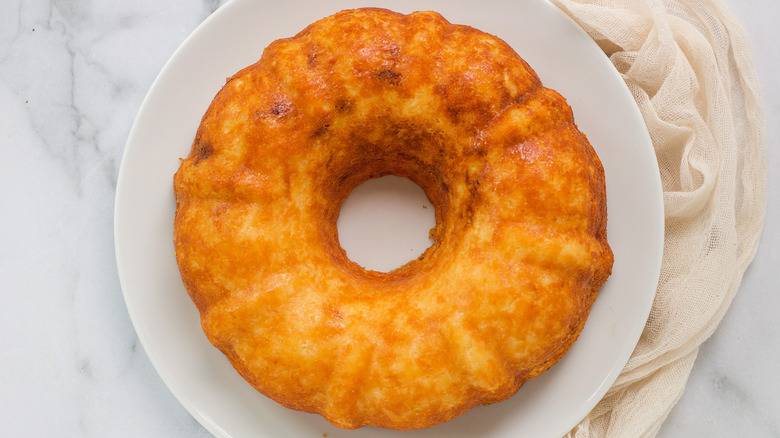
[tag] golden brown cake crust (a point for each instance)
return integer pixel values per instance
(520, 242)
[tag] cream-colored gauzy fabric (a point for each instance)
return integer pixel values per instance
(689, 68)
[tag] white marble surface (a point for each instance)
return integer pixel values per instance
(72, 76)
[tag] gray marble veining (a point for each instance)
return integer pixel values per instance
(72, 77)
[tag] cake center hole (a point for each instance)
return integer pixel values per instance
(385, 223)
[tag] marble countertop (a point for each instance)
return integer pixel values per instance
(72, 77)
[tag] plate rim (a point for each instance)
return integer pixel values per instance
(119, 244)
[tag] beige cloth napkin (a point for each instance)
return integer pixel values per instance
(689, 68)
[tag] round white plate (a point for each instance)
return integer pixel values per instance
(234, 37)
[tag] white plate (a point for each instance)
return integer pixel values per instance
(234, 37)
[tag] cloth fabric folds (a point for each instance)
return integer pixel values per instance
(688, 65)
